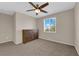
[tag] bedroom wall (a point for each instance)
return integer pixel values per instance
(77, 27)
(6, 28)
(64, 28)
(22, 21)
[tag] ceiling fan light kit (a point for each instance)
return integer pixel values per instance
(38, 8)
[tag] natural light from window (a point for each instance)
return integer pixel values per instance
(50, 25)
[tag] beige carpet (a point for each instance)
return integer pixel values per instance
(37, 47)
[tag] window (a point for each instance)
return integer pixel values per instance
(50, 25)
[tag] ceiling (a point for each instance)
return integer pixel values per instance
(53, 7)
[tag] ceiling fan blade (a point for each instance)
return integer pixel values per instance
(31, 10)
(44, 5)
(44, 11)
(33, 5)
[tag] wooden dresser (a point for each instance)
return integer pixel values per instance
(29, 35)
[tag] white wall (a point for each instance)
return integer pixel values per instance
(11, 27)
(22, 21)
(64, 29)
(6, 28)
(77, 27)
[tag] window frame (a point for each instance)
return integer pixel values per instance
(44, 24)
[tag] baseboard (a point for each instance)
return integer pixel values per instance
(17, 43)
(59, 42)
(77, 50)
(5, 41)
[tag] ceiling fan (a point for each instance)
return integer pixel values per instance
(38, 8)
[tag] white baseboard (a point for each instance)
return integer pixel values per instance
(5, 41)
(77, 50)
(58, 41)
(17, 43)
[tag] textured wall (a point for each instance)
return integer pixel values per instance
(77, 27)
(64, 29)
(22, 21)
(6, 28)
